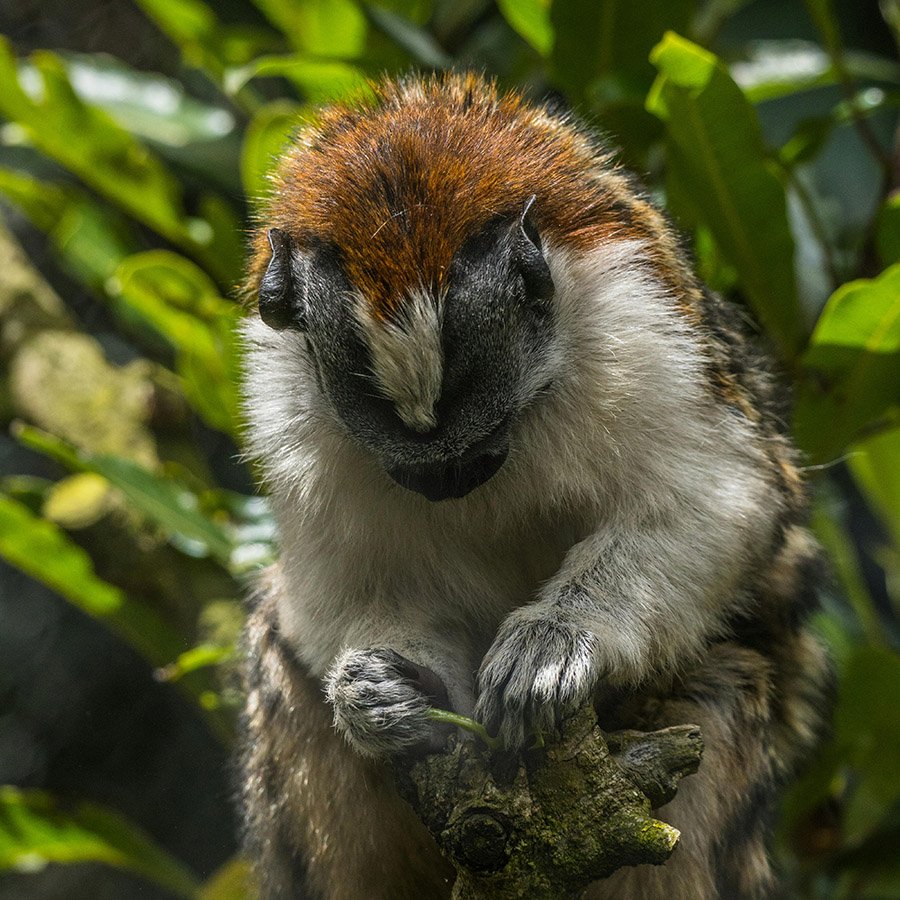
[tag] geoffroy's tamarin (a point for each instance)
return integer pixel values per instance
(519, 457)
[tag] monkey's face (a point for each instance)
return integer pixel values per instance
(432, 387)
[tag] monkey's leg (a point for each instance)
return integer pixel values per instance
(322, 822)
(757, 717)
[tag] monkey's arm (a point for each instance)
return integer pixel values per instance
(628, 602)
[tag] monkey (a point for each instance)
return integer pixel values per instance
(520, 459)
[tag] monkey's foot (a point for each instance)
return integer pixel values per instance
(381, 702)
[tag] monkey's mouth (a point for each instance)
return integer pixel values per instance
(449, 482)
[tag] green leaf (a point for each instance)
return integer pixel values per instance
(180, 302)
(531, 19)
(91, 240)
(150, 106)
(851, 370)
(200, 657)
(42, 550)
(718, 163)
(875, 464)
(265, 138)
(206, 43)
(867, 729)
(775, 69)
(169, 505)
(234, 881)
(326, 28)
(603, 38)
(88, 142)
(318, 81)
(35, 831)
(413, 39)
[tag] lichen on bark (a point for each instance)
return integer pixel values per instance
(551, 821)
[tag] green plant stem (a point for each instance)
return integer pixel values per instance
(451, 718)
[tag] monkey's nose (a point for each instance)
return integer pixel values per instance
(449, 481)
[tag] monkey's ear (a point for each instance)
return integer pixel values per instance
(530, 258)
(282, 291)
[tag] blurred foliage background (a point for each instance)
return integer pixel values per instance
(134, 140)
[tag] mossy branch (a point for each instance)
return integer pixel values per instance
(548, 823)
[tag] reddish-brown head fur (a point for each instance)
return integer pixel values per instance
(400, 181)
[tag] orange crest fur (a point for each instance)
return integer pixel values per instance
(400, 181)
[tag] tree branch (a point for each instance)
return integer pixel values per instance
(548, 823)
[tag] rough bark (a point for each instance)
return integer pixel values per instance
(548, 823)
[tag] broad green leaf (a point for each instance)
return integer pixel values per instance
(775, 69)
(851, 370)
(265, 138)
(206, 43)
(43, 551)
(35, 831)
(180, 302)
(413, 39)
(326, 28)
(87, 142)
(150, 106)
(169, 505)
(91, 240)
(603, 38)
(318, 81)
(531, 19)
(875, 463)
(44, 203)
(719, 163)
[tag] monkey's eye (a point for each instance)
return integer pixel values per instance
(282, 290)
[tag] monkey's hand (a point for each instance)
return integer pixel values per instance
(381, 702)
(539, 668)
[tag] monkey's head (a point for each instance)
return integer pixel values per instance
(409, 252)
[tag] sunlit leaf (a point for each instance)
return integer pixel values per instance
(531, 19)
(326, 28)
(91, 240)
(35, 831)
(47, 554)
(205, 42)
(852, 366)
(318, 81)
(234, 881)
(264, 139)
(718, 159)
(77, 501)
(774, 69)
(168, 504)
(200, 657)
(182, 304)
(88, 142)
(148, 105)
(41, 549)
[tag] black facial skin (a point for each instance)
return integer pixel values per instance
(497, 324)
